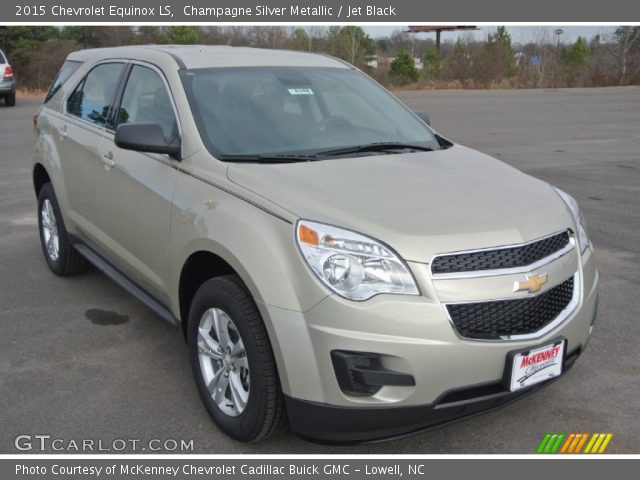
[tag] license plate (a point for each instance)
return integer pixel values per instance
(536, 365)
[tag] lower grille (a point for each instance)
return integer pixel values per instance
(497, 319)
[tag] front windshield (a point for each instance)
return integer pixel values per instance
(262, 111)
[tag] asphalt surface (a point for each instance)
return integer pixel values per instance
(70, 371)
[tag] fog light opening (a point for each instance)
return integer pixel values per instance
(362, 374)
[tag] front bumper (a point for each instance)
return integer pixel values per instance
(454, 376)
(339, 425)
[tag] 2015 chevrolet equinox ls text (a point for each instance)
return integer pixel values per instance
(333, 262)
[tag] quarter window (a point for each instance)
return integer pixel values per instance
(146, 100)
(68, 68)
(92, 99)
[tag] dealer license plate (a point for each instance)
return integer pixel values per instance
(536, 365)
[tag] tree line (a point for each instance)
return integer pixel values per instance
(398, 60)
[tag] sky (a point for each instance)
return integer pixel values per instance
(518, 34)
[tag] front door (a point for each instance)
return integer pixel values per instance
(135, 190)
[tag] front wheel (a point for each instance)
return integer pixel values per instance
(232, 361)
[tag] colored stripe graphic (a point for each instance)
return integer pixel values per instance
(543, 443)
(556, 445)
(565, 447)
(607, 439)
(594, 437)
(581, 442)
(574, 442)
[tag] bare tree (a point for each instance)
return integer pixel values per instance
(628, 39)
(355, 38)
(268, 37)
(543, 54)
(316, 35)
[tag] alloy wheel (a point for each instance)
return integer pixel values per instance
(50, 230)
(223, 362)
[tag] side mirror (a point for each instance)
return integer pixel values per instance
(424, 116)
(146, 137)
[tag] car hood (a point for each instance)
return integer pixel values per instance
(421, 204)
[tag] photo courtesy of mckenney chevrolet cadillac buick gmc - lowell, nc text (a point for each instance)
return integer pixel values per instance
(333, 263)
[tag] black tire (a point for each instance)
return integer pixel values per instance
(10, 100)
(264, 415)
(69, 261)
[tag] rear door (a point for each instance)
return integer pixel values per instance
(78, 134)
(135, 190)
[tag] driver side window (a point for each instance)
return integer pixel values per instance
(146, 100)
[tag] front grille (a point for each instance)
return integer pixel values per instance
(510, 257)
(497, 319)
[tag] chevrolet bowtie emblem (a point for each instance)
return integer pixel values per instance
(533, 283)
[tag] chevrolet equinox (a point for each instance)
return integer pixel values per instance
(333, 262)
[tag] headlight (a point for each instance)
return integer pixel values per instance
(583, 239)
(352, 265)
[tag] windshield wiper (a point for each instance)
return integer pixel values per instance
(374, 147)
(269, 158)
(300, 157)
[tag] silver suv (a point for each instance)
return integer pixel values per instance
(7, 81)
(331, 260)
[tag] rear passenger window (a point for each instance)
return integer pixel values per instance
(92, 99)
(146, 100)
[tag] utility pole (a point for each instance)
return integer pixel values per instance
(558, 32)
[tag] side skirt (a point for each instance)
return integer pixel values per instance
(123, 281)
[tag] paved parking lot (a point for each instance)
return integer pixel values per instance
(66, 372)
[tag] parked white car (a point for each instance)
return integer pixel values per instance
(7, 81)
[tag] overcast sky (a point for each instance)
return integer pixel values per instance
(518, 34)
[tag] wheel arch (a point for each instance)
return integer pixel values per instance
(40, 177)
(204, 263)
(199, 267)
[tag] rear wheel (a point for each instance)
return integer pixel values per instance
(232, 361)
(62, 258)
(10, 100)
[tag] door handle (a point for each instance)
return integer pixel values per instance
(62, 131)
(107, 159)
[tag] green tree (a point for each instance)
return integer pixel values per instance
(351, 43)
(181, 35)
(431, 63)
(403, 69)
(457, 66)
(496, 59)
(84, 36)
(577, 56)
(503, 51)
(15, 37)
(34, 53)
(502, 37)
(576, 61)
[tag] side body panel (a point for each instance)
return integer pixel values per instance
(258, 245)
(68, 148)
(133, 208)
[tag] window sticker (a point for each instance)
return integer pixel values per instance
(300, 91)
